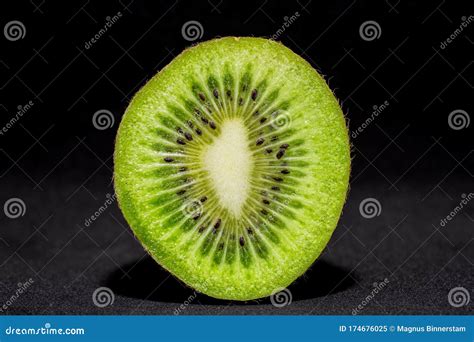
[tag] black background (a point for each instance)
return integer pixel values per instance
(409, 158)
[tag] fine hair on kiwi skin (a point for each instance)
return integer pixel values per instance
(232, 167)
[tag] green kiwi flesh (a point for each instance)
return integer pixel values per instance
(232, 166)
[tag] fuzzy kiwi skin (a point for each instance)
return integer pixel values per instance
(333, 170)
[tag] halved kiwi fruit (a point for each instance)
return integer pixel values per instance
(232, 166)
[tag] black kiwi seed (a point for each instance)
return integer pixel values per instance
(182, 169)
(217, 224)
(280, 154)
(180, 141)
(254, 94)
(196, 217)
(202, 97)
(215, 93)
(179, 130)
(260, 141)
(201, 229)
(203, 199)
(181, 192)
(229, 93)
(198, 131)
(168, 159)
(284, 146)
(275, 188)
(265, 201)
(278, 179)
(241, 101)
(242, 241)
(285, 171)
(262, 120)
(204, 120)
(212, 124)
(190, 124)
(256, 113)
(250, 231)
(275, 138)
(269, 150)
(188, 136)
(264, 212)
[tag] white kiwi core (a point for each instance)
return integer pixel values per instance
(228, 160)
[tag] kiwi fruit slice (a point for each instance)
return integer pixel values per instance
(232, 166)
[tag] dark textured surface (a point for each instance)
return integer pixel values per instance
(68, 261)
